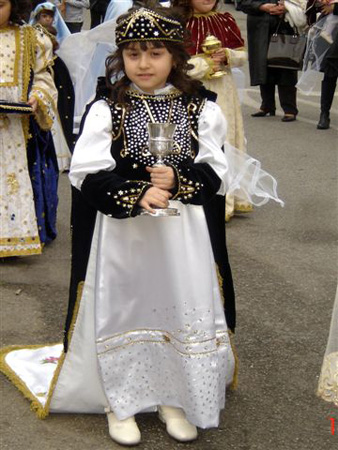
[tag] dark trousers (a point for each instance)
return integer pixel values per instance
(287, 98)
(96, 17)
(327, 93)
(74, 27)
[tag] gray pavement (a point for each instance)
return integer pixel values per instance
(284, 264)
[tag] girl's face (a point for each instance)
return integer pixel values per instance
(203, 6)
(149, 69)
(5, 12)
(45, 18)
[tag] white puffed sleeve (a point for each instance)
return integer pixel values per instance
(212, 130)
(93, 149)
(241, 174)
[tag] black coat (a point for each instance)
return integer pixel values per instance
(260, 27)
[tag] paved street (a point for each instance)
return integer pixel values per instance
(284, 264)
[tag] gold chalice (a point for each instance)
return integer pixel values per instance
(209, 46)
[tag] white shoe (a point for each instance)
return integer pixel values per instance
(124, 432)
(176, 423)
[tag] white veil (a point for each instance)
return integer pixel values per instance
(316, 49)
(84, 55)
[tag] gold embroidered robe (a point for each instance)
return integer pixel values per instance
(25, 59)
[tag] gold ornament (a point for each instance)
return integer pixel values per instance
(210, 45)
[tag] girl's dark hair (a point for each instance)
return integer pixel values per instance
(45, 11)
(186, 7)
(20, 11)
(178, 76)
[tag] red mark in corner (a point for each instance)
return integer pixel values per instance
(332, 419)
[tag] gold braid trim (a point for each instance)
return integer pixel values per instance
(16, 108)
(79, 292)
(15, 81)
(220, 283)
(40, 410)
(32, 244)
(48, 122)
(36, 405)
(234, 383)
(63, 354)
(28, 63)
(23, 252)
(172, 94)
(243, 207)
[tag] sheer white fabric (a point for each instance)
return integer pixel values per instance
(116, 8)
(316, 50)
(85, 54)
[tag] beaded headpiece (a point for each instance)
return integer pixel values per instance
(147, 25)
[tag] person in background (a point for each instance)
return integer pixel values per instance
(322, 52)
(73, 13)
(46, 17)
(29, 173)
(203, 19)
(98, 10)
(46, 14)
(264, 16)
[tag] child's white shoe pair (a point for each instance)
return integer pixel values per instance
(126, 432)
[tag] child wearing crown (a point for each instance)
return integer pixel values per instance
(146, 329)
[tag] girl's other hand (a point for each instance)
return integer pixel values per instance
(219, 56)
(155, 197)
(327, 9)
(33, 103)
(162, 177)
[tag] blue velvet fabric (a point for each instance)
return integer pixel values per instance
(44, 174)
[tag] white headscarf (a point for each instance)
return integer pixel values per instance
(58, 23)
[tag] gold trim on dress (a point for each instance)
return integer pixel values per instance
(173, 94)
(164, 332)
(234, 383)
(15, 81)
(40, 410)
(328, 381)
(16, 108)
(20, 246)
(164, 341)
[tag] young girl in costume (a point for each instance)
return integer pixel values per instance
(146, 328)
(28, 176)
(46, 17)
(204, 20)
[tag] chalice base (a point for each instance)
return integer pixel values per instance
(218, 74)
(161, 212)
